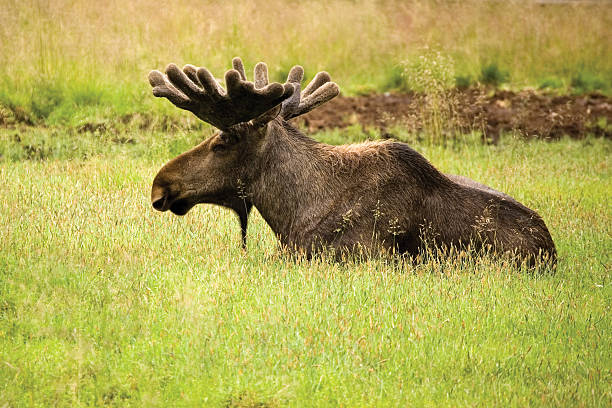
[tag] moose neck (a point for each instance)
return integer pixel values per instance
(293, 180)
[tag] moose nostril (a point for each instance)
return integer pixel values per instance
(159, 203)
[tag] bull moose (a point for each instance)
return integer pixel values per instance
(359, 197)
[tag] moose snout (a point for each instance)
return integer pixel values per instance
(159, 203)
(159, 198)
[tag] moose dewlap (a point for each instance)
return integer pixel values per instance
(315, 196)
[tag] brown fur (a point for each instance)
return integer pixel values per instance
(354, 198)
(348, 198)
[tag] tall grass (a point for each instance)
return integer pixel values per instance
(61, 60)
(105, 302)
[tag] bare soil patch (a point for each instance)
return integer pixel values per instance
(530, 113)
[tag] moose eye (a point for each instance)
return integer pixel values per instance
(219, 147)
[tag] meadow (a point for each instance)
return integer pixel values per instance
(69, 62)
(106, 302)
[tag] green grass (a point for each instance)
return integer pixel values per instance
(68, 62)
(104, 301)
(491, 74)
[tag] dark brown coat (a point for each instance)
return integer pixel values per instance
(352, 198)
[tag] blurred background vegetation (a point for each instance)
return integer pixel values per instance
(66, 62)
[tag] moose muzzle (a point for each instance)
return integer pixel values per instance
(159, 198)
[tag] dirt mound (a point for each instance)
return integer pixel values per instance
(529, 113)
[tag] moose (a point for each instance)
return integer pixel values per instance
(367, 197)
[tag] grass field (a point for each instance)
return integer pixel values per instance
(104, 301)
(69, 62)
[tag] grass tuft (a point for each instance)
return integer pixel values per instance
(491, 74)
(46, 98)
(463, 81)
(585, 82)
(395, 80)
(552, 83)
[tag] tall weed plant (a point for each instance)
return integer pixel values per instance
(433, 73)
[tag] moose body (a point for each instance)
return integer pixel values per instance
(362, 197)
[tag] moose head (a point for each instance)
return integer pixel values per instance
(347, 198)
(216, 170)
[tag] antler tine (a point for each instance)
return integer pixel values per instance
(209, 83)
(181, 81)
(318, 91)
(192, 73)
(323, 94)
(163, 88)
(296, 75)
(261, 75)
(238, 66)
(196, 90)
(319, 79)
(294, 78)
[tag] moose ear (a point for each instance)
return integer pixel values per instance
(266, 117)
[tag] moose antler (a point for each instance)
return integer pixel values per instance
(318, 91)
(196, 90)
